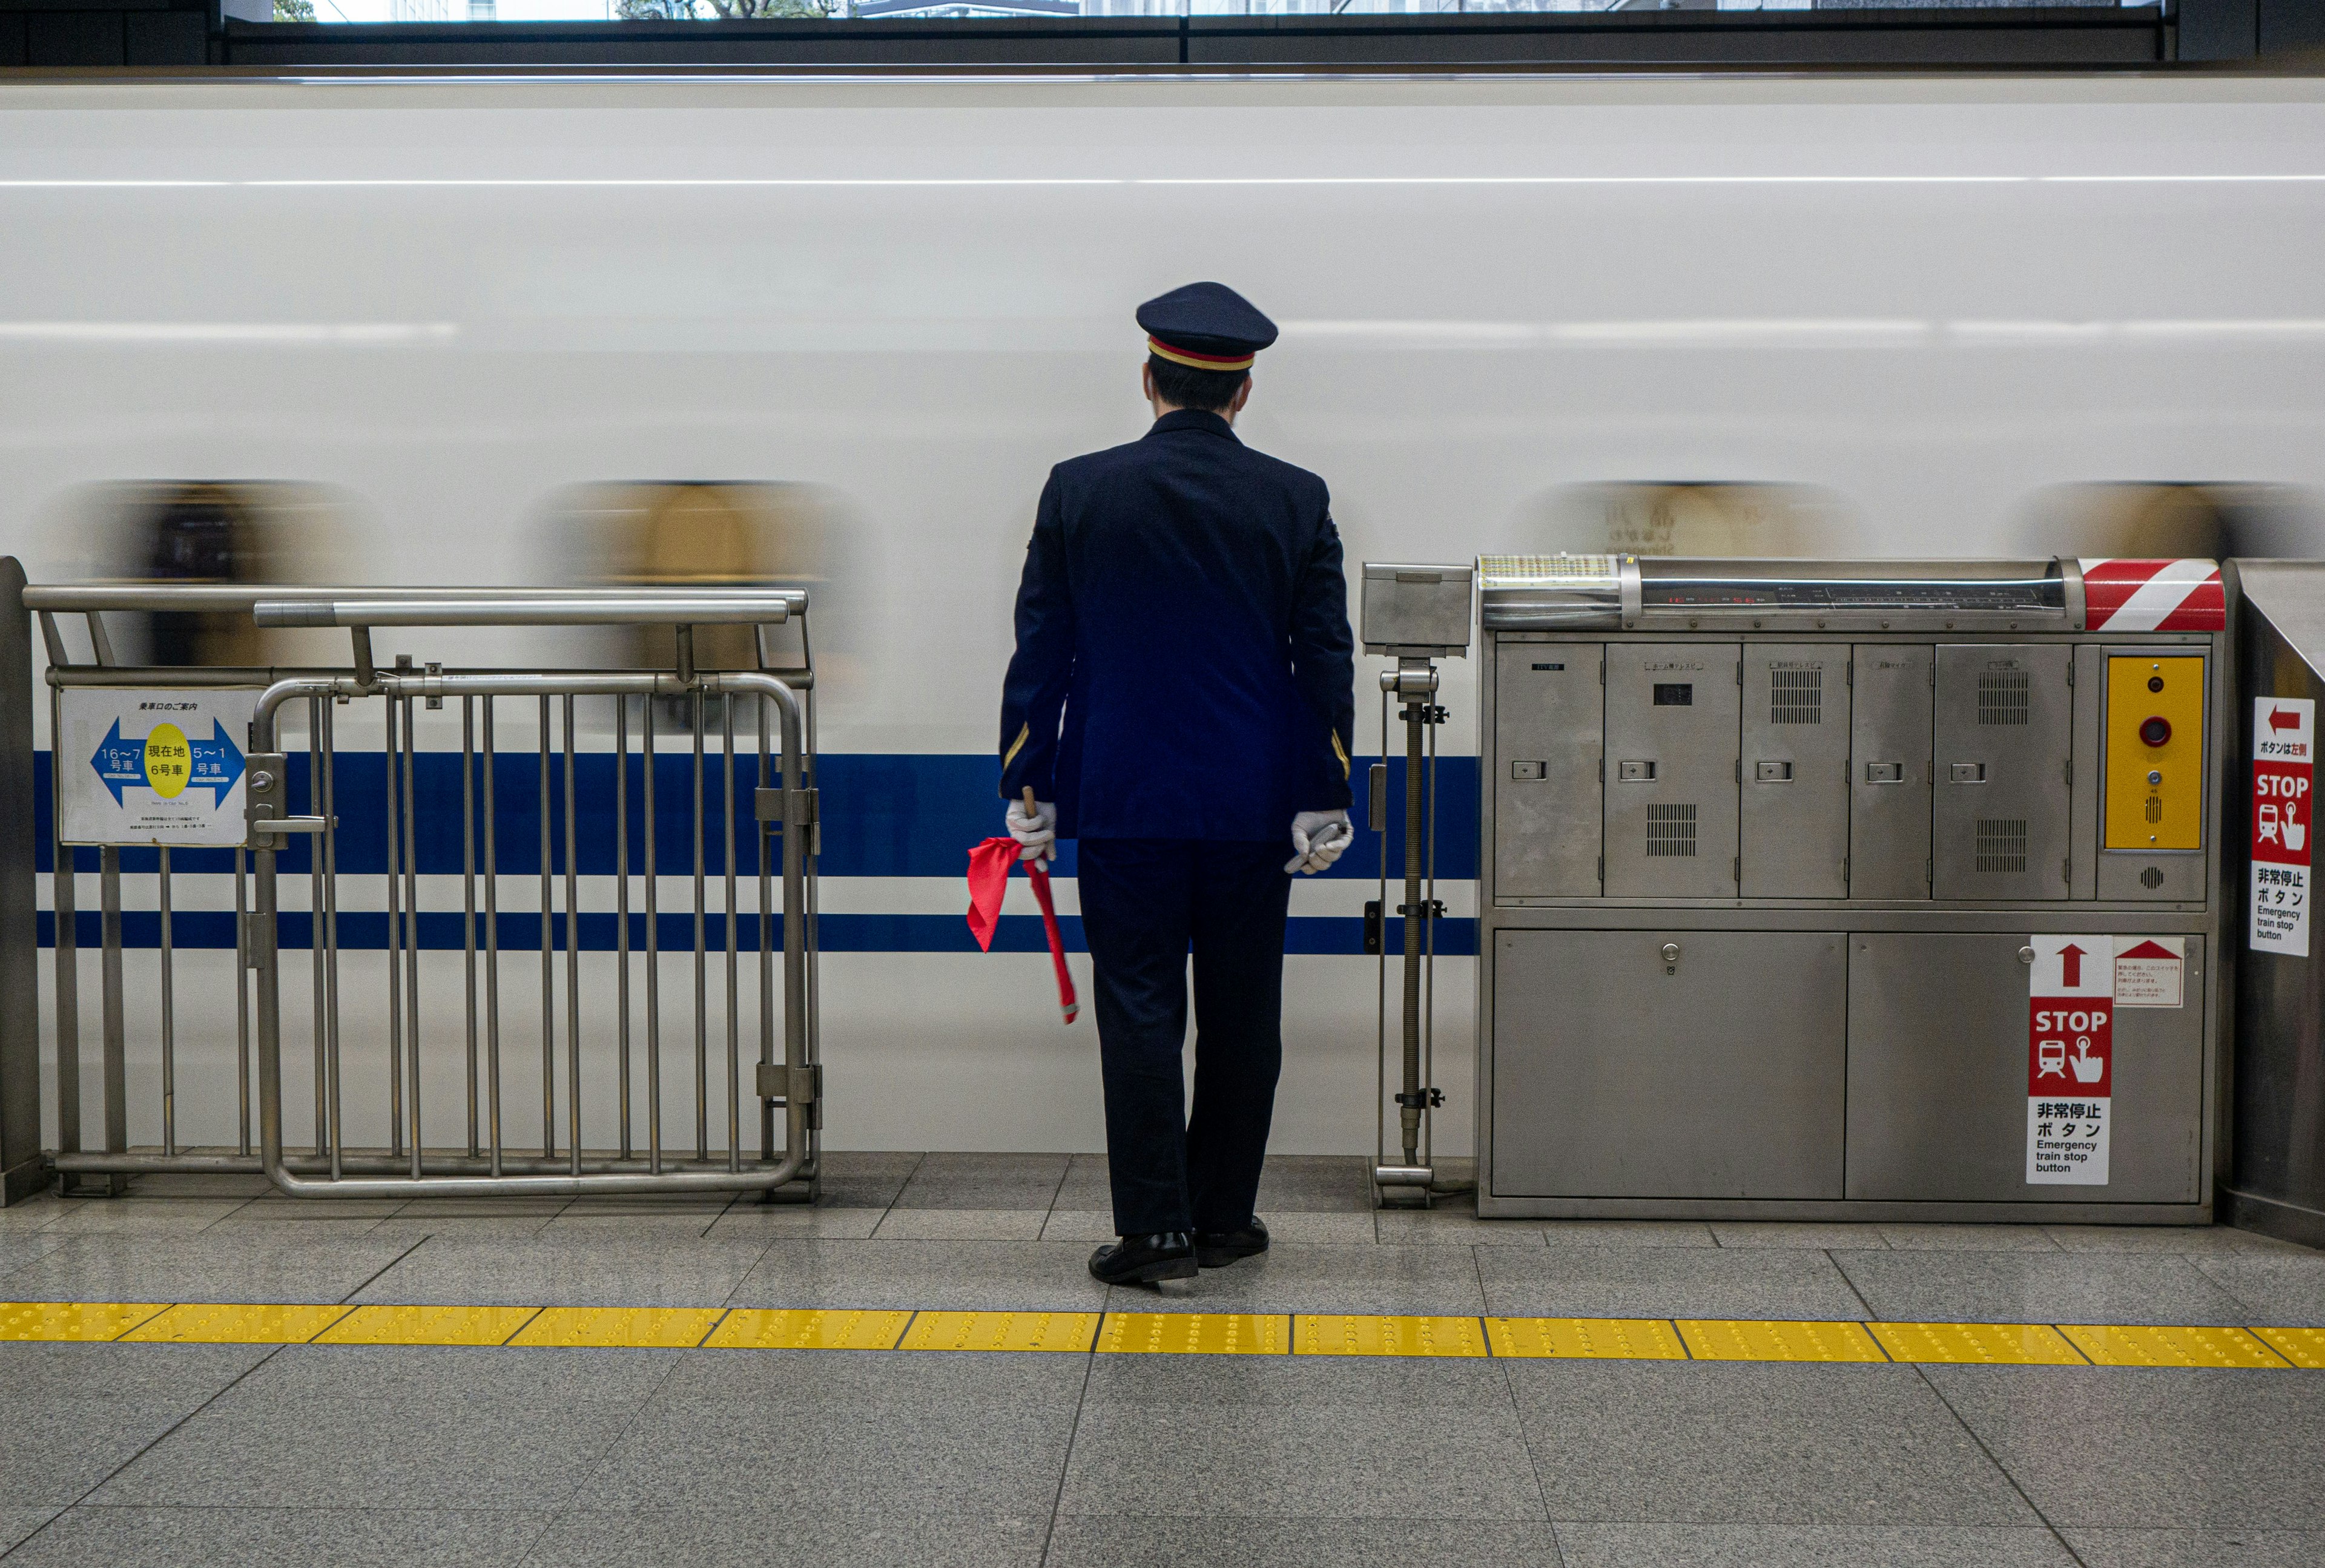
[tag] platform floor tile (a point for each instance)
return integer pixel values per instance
(670, 1327)
(1195, 1333)
(72, 1319)
(954, 1330)
(2143, 1345)
(1586, 1339)
(426, 1325)
(2303, 1347)
(226, 1324)
(1777, 1340)
(1988, 1344)
(1320, 1334)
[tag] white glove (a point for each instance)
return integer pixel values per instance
(1037, 833)
(1320, 836)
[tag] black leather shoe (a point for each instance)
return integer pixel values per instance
(1217, 1248)
(1145, 1259)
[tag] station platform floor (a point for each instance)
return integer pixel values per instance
(919, 1371)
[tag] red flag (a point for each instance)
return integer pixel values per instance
(988, 882)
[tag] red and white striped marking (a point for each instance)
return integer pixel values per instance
(2154, 595)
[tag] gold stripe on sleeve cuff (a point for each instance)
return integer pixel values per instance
(1024, 733)
(1338, 750)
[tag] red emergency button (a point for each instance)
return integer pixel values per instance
(2155, 731)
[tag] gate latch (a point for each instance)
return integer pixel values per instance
(264, 790)
(1421, 1099)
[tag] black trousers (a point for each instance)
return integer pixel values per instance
(1145, 902)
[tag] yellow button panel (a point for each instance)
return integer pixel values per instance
(2155, 752)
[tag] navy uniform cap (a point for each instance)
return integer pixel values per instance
(1204, 326)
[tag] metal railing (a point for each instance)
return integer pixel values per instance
(507, 838)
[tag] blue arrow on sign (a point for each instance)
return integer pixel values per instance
(216, 763)
(120, 763)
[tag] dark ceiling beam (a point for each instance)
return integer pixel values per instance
(1999, 37)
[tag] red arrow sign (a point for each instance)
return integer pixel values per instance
(2070, 965)
(2278, 719)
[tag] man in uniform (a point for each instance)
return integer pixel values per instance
(1182, 702)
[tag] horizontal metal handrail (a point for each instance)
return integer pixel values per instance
(658, 608)
(79, 597)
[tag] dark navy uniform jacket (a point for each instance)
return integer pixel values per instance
(1183, 612)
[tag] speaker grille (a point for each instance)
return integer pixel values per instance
(2002, 697)
(1796, 696)
(1671, 832)
(2002, 845)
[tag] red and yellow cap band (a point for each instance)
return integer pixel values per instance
(1195, 361)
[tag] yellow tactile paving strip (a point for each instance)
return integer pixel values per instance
(2304, 1348)
(2141, 1346)
(2260, 1347)
(1385, 1336)
(1196, 1333)
(788, 1329)
(661, 1328)
(1002, 1332)
(221, 1323)
(1976, 1344)
(1586, 1339)
(1740, 1340)
(426, 1325)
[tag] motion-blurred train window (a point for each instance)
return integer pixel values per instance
(234, 530)
(2151, 521)
(696, 534)
(1717, 518)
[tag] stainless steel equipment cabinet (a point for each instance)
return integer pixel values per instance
(1866, 890)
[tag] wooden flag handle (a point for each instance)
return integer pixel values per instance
(1032, 810)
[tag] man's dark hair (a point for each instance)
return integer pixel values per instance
(1184, 386)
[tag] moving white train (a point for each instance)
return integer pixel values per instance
(444, 331)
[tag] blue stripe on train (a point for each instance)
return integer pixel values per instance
(520, 934)
(884, 815)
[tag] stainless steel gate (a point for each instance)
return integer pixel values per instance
(738, 746)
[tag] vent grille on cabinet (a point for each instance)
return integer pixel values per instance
(2002, 697)
(2002, 845)
(1671, 832)
(1796, 696)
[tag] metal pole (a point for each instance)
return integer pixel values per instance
(492, 952)
(734, 1004)
(469, 897)
(654, 962)
(242, 1008)
(168, 1006)
(394, 944)
(339, 1137)
(62, 876)
(572, 955)
(701, 959)
(116, 1071)
(548, 958)
(765, 863)
(622, 908)
(412, 924)
(315, 710)
(1409, 1111)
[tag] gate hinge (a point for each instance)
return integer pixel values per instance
(780, 808)
(784, 1084)
(1372, 928)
